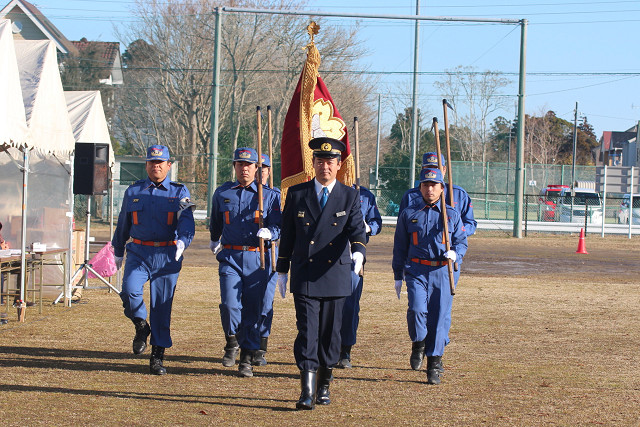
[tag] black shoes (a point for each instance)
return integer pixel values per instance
(142, 333)
(324, 381)
(230, 351)
(258, 355)
(307, 399)
(155, 363)
(417, 355)
(345, 358)
(434, 369)
(244, 368)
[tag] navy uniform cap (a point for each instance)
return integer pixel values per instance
(266, 161)
(328, 148)
(158, 152)
(431, 159)
(245, 154)
(431, 175)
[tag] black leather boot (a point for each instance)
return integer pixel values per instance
(142, 333)
(417, 355)
(308, 394)
(324, 381)
(345, 358)
(155, 363)
(434, 367)
(230, 351)
(244, 368)
(258, 355)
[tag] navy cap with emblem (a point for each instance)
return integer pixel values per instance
(431, 159)
(326, 147)
(158, 152)
(431, 175)
(266, 161)
(245, 154)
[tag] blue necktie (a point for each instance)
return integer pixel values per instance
(324, 197)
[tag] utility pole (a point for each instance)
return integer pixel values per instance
(414, 112)
(573, 162)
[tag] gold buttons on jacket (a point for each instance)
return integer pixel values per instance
(310, 259)
(311, 242)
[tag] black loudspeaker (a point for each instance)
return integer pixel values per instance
(91, 169)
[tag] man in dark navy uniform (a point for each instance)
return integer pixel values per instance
(157, 214)
(235, 236)
(323, 232)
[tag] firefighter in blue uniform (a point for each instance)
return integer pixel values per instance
(157, 214)
(235, 236)
(323, 234)
(351, 311)
(266, 318)
(462, 203)
(461, 198)
(420, 259)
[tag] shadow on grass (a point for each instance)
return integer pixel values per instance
(208, 400)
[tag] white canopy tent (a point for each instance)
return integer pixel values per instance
(46, 215)
(13, 124)
(87, 118)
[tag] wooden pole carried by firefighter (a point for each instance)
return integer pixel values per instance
(270, 139)
(443, 205)
(445, 105)
(259, 184)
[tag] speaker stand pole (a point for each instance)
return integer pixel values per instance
(85, 268)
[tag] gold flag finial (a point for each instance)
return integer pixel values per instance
(312, 29)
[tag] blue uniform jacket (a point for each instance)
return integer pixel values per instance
(461, 200)
(419, 235)
(150, 213)
(234, 214)
(370, 212)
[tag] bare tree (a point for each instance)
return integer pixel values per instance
(475, 96)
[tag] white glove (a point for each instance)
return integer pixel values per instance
(451, 255)
(357, 259)
(398, 285)
(118, 261)
(215, 246)
(264, 233)
(179, 249)
(282, 284)
(366, 227)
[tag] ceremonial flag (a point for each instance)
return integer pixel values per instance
(312, 113)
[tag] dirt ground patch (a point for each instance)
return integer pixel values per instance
(540, 336)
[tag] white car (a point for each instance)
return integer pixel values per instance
(623, 212)
(580, 197)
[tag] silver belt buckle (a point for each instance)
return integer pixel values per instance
(245, 248)
(156, 244)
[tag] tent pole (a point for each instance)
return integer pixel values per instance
(23, 235)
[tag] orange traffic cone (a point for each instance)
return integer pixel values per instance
(581, 247)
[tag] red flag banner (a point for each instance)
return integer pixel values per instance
(312, 113)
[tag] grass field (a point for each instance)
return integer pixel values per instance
(540, 336)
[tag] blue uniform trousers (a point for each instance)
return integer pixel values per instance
(429, 312)
(158, 266)
(318, 340)
(242, 289)
(351, 311)
(266, 318)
